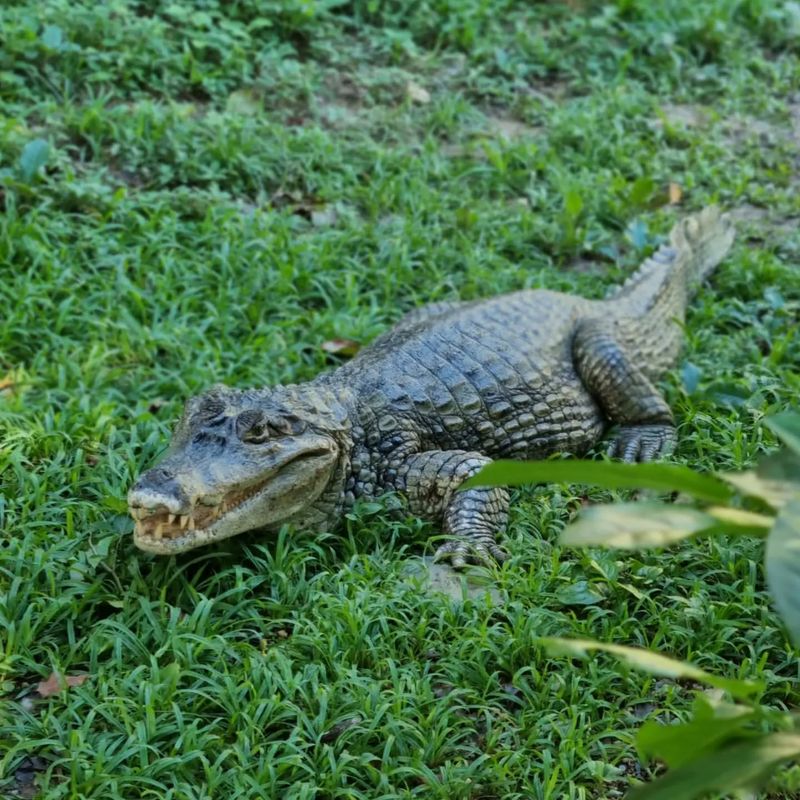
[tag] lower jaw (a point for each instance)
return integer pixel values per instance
(175, 544)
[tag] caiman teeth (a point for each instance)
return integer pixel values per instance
(161, 524)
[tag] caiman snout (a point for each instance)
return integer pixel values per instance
(159, 490)
(163, 509)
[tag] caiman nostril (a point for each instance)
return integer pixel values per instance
(158, 490)
(160, 474)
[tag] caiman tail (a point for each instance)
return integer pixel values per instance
(651, 306)
(702, 241)
(667, 279)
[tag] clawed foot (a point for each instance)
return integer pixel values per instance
(462, 552)
(642, 442)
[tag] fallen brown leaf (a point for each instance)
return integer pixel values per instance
(324, 217)
(417, 93)
(511, 129)
(57, 683)
(246, 102)
(12, 381)
(341, 347)
(675, 194)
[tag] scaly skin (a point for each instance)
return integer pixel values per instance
(428, 404)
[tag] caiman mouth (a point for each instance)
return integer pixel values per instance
(158, 525)
(157, 530)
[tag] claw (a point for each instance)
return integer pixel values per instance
(463, 553)
(641, 442)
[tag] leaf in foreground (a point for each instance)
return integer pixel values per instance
(737, 766)
(609, 475)
(783, 567)
(653, 663)
(634, 525)
(786, 427)
(776, 493)
(712, 723)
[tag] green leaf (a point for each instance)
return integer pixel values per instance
(573, 204)
(641, 190)
(782, 564)
(711, 724)
(653, 663)
(609, 475)
(738, 766)
(580, 593)
(52, 37)
(786, 427)
(633, 526)
(690, 376)
(34, 156)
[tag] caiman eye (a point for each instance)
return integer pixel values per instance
(251, 427)
(256, 434)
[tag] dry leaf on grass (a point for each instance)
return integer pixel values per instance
(341, 347)
(417, 93)
(675, 194)
(324, 216)
(58, 683)
(511, 129)
(11, 381)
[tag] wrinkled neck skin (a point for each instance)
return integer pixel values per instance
(326, 508)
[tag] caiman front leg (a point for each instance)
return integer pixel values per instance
(628, 398)
(472, 517)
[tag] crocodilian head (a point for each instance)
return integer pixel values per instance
(239, 460)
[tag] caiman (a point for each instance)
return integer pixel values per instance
(430, 402)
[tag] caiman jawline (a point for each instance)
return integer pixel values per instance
(155, 526)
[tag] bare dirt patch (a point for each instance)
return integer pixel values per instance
(759, 224)
(678, 115)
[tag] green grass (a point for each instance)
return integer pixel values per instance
(170, 241)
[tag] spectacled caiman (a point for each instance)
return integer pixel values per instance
(452, 386)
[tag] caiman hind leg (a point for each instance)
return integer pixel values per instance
(628, 398)
(472, 517)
